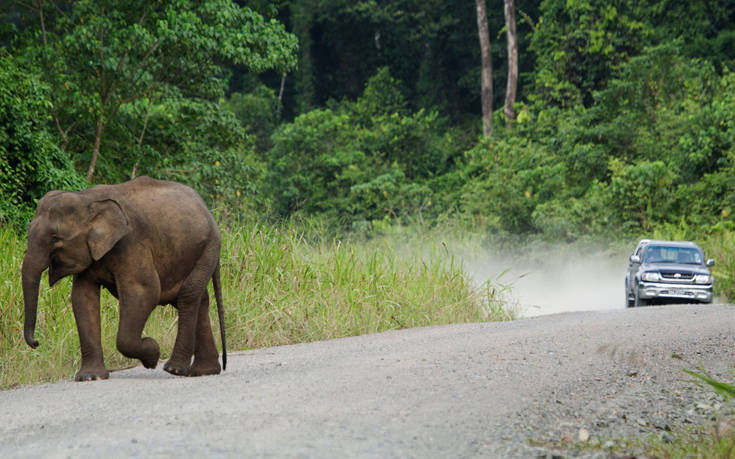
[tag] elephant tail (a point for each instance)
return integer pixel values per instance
(220, 313)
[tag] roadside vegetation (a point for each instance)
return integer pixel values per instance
(700, 442)
(693, 443)
(281, 285)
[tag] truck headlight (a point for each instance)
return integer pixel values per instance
(703, 279)
(650, 277)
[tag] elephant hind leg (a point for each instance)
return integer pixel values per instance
(179, 363)
(206, 357)
(192, 295)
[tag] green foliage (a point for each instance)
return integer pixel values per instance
(132, 89)
(507, 179)
(727, 391)
(655, 148)
(579, 43)
(360, 161)
(310, 166)
(382, 95)
(705, 28)
(572, 218)
(690, 443)
(650, 150)
(30, 163)
(624, 127)
(720, 245)
(110, 63)
(429, 45)
(641, 192)
(204, 145)
(258, 111)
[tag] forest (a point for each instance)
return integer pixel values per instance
(369, 114)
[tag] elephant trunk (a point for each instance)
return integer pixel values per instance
(33, 265)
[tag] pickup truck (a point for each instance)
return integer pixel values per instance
(668, 271)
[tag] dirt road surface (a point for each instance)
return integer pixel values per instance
(475, 390)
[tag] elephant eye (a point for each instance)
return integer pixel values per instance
(55, 239)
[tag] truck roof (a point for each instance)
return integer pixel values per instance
(668, 243)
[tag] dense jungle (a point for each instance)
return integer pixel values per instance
(368, 114)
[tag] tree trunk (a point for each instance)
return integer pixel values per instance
(96, 150)
(304, 79)
(486, 89)
(279, 109)
(140, 139)
(512, 87)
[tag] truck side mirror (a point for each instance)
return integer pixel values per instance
(635, 259)
(711, 262)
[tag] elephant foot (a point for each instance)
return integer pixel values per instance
(204, 369)
(145, 350)
(176, 369)
(150, 363)
(151, 353)
(92, 374)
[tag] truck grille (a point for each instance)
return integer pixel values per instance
(677, 275)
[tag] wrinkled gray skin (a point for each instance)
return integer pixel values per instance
(149, 243)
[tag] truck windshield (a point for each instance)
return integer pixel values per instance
(682, 255)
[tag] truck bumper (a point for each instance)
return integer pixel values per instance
(699, 293)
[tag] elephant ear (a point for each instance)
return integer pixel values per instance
(107, 226)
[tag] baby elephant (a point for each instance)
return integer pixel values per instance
(149, 243)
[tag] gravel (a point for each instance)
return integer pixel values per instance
(510, 389)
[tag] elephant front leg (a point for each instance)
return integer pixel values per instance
(136, 304)
(85, 300)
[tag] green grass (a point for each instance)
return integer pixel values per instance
(689, 444)
(279, 287)
(721, 247)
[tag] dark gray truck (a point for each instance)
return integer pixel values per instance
(668, 271)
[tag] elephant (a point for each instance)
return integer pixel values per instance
(148, 242)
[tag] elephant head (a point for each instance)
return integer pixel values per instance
(68, 233)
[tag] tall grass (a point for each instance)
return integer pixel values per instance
(279, 287)
(721, 247)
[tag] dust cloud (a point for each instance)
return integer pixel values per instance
(552, 279)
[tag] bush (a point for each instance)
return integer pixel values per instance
(202, 144)
(258, 111)
(30, 162)
(361, 161)
(507, 179)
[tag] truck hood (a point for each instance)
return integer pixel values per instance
(675, 267)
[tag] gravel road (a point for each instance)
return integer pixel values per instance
(450, 391)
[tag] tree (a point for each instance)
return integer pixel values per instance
(361, 161)
(512, 86)
(101, 55)
(580, 44)
(425, 44)
(30, 163)
(487, 68)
